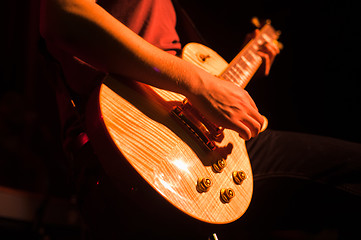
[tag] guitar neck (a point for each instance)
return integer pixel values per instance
(243, 67)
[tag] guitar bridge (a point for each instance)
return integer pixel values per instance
(203, 130)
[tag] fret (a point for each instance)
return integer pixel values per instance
(238, 71)
(245, 64)
(266, 38)
(252, 57)
(240, 68)
(241, 71)
(233, 75)
(246, 61)
(228, 76)
(247, 74)
(255, 47)
(260, 42)
(250, 60)
(242, 75)
(255, 56)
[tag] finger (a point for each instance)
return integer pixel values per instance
(252, 109)
(257, 119)
(251, 36)
(243, 131)
(254, 34)
(271, 50)
(273, 47)
(253, 125)
(252, 119)
(246, 125)
(267, 62)
(268, 49)
(250, 100)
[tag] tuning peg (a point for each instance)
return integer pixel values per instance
(258, 24)
(255, 21)
(279, 44)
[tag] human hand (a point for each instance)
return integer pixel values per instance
(228, 105)
(268, 52)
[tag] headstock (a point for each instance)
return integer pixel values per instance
(259, 24)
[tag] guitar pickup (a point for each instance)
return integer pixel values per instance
(203, 130)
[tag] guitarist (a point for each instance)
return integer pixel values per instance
(137, 39)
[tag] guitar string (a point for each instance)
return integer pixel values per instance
(245, 65)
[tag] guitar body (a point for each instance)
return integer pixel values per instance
(133, 126)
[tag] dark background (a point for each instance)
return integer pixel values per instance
(313, 86)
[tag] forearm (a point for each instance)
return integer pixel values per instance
(87, 31)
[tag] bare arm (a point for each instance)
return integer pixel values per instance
(78, 26)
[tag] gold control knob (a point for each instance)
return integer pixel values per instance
(203, 184)
(219, 165)
(227, 194)
(238, 176)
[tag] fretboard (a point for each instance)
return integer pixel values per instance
(245, 64)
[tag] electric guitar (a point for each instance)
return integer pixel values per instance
(147, 135)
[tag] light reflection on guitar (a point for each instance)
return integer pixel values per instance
(200, 168)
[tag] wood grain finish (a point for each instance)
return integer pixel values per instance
(168, 157)
(137, 118)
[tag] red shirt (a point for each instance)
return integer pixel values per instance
(154, 20)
